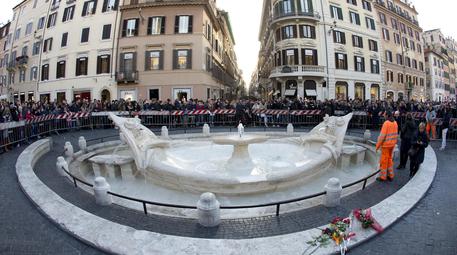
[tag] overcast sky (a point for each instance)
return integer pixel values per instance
(245, 17)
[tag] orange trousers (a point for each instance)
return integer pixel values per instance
(430, 127)
(386, 165)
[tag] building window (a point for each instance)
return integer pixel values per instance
(182, 59)
(45, 72)
(366, 5)
(36, 48)
(130, 27)
(110, 5)
(40, 23)
(17, 34)
(375, 66)
(382, 18)
(305, 6)
(103, 64)
(399, 59)
(154, 60)
(68, 13)
(357, 41)
(400, 78)
(394, 23)
(22, 75)
(307, 31)
(34, 73)
(389, 56)
(419, 48)
(89, 8)
(28, 28)
(354, 17)
(183, 24)
(290, 57)
(85, 35)
(289, 32)
(353, 2)
(421, 66)
(128, 65)
(359, 64)
(397, 38)
(52, 20)
(385, 34)
(64, 41)
(336, 12)
(370, 23)
(47, 46)
(106, 33)
(390, 76)
(341, 61)
(25, 50)
(373, 45)
(156, 25)
(60, 72)
(339, 37)
(81, 66)
(408, 62)
(405, 42)
(309, 57)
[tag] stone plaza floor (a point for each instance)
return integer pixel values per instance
(427, 229)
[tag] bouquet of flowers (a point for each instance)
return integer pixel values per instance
(339, 231)
(367, 219)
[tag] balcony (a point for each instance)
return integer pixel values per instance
(289, 71)
(310, 15)
(22, 61)
(127, 77)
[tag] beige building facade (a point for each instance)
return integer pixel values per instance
(403, 54)
(4, 32)
(175, 50)
(319, 50)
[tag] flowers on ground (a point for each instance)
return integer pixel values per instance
(339, 231)
(367, 219)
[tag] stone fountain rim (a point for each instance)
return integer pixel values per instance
(115, 238)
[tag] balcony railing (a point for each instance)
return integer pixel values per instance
(296, 14)
(305, 70)
(127, 77)
(22, 60)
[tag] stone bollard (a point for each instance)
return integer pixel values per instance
(59, 164)
(367, 136)
(333, 189)
(101, 188)
(290, 129)
(209, 212)
(82, 144)
(68, 151)
(206, 130)
(164, 133)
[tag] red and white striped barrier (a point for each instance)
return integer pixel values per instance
(305, 112)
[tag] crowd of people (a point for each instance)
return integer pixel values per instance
(15, 111)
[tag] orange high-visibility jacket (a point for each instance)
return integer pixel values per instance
(389, 135)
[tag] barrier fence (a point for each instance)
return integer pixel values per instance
(13, 133)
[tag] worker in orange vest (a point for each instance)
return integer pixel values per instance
(387, 141)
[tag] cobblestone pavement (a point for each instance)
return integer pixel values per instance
(431, 227)
(406, 237)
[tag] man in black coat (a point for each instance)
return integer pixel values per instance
(420, 142)
(407, 134)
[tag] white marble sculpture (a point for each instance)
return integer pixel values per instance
(68, 149)
(164, 133)
(208, 207)
(140, 139)
(206, 130)
(290, 129)
(60, 164)
(82, 143)
(226, 165)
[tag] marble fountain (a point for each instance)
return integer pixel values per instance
(239, 168)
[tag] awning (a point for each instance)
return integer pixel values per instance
(311, 93)
(290, 92)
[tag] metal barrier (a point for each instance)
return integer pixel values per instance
(13, 133)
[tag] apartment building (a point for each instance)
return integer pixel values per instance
(437, 65)
(4, 32)
(59, 50)
(175, 50)
(403, 54)
(451, 46)
(78, 51)
(320, 49)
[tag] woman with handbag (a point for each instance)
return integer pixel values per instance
(417, 151)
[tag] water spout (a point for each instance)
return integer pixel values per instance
(241, 130)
